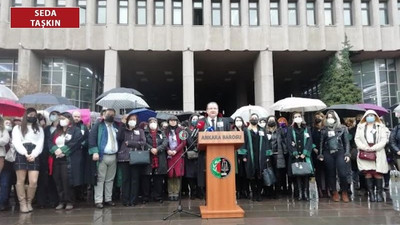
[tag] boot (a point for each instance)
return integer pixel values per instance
(306, 189)
(299, 189)
(345, 197)
(379, 190)
(20, 188)
(335, 196)
(30, 196)
(371, 191)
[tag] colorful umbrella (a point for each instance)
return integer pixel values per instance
(11, 108)
(85, 115)
(143, 114)
(378, 109)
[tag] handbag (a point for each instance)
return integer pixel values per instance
(10, 155)
(268, 176)
(301, 169)
(192, 154)
(141, 157)
(367, 155)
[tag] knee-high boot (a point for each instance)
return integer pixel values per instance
(299, 188)
(371, 189)
(30, 196)
(20, 188)
(379, 190)
(306, 188)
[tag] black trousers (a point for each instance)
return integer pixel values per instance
(61, 178)
(256, 185)
(335, 162)
(156, 190)
(131, 182)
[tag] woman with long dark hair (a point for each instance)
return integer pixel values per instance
(65, 145)
(28, 139)
(242, 184)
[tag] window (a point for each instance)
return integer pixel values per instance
(365, 13)
(141, 7)
(274, 13)
(61, 3)
(235, 14)
(198, 13)
(39, 3)
(292, 13)
(101, 11)
(8, 72)
(328, 11)
(82, 11)
(383, 13)
(310, 13)
(17, 3)
(123, 11)
(177, 12)
(159, 12)
(216, 13)
(253, 13)
(347, 16)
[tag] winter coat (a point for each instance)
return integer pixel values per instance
(176, 162)
(129, 140)
(73, 153)
(394, 140)
(98, 138)
(278, 146)
(191, 164)
(342, 140)
(380, 165)
(264, 150)
(299, 141)
(162, 143)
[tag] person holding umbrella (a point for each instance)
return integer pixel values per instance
(28, 139)
(335, 152)
(371, 138)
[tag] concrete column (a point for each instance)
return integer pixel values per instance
(283, 11)
(263, 12)
(28, 3)
(187, 15)
(264, 80)
(319, 5)
(71, 3)
(5, 11)
(374, 5)
(301, 7)
(356, 13)
(112, 12)
(168, 12)
(150, 12)
(244, 12)
(29, 65)
(207, 12)
(91, 12)
(112, 70)
(188, 80)
(393, 13)
(131, 12)
(50, 3)
(338, 12)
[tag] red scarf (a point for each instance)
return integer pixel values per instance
(154, 158)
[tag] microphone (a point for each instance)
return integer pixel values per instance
(199, 127)
(210, 129)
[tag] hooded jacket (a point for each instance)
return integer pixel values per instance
(341, 143)
(380, 165)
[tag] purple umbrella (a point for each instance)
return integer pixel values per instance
(378, 109)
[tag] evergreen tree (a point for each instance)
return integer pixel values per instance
(337, 83)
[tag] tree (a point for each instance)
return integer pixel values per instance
(337, 83)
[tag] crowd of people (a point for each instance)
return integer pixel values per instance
(63, 161)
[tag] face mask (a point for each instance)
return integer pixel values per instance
(330, 121)
(271, 123)
(53, 118)
(317, 120)
(262, 124)
(31, 119)
(370, 119)
(64, 122)
(239, 124)
(109, 119)
(283, 125)
(254, 122)
(153, 126)
(132, 123)
(8, 128)
(194, 122)
(298, 120)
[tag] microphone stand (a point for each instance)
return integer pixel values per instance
(180, 209)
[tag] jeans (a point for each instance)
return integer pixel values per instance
(5, 186)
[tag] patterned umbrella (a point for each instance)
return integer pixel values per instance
(122, 101)
(120, 90)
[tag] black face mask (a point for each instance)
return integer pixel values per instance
(253, 122)
(31, 119)
(318, 120)
(271, 123)
(109, 119)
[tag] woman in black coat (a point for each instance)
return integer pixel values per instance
(157, 142)
(65, 147)
(242, 184)
(192, 156)
(130, 137)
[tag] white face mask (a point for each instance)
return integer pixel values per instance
(153, 126)
(330, 121)
(239, 124)
(8, 128)
(132, 123)
(262, 124)
(298, 120)
(53, 118)
(64, 122)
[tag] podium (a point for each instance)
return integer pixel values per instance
(220, 173)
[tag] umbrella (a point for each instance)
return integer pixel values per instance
(397, 109)
(246, 111)
(293, 104)
(184, 115)
(122, 101)
(6, 92)
(143, 114)
(11, 108)
(346, 110)
(163, 116)
(44, 99)
(61, 108)
(120, 90)
(393, 107)
(85, 114)
(378, 109)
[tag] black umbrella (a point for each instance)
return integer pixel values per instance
(184, 116)
(44, 99)
(121, 90)
(163, 116)
(391, 108)
(346, 110)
